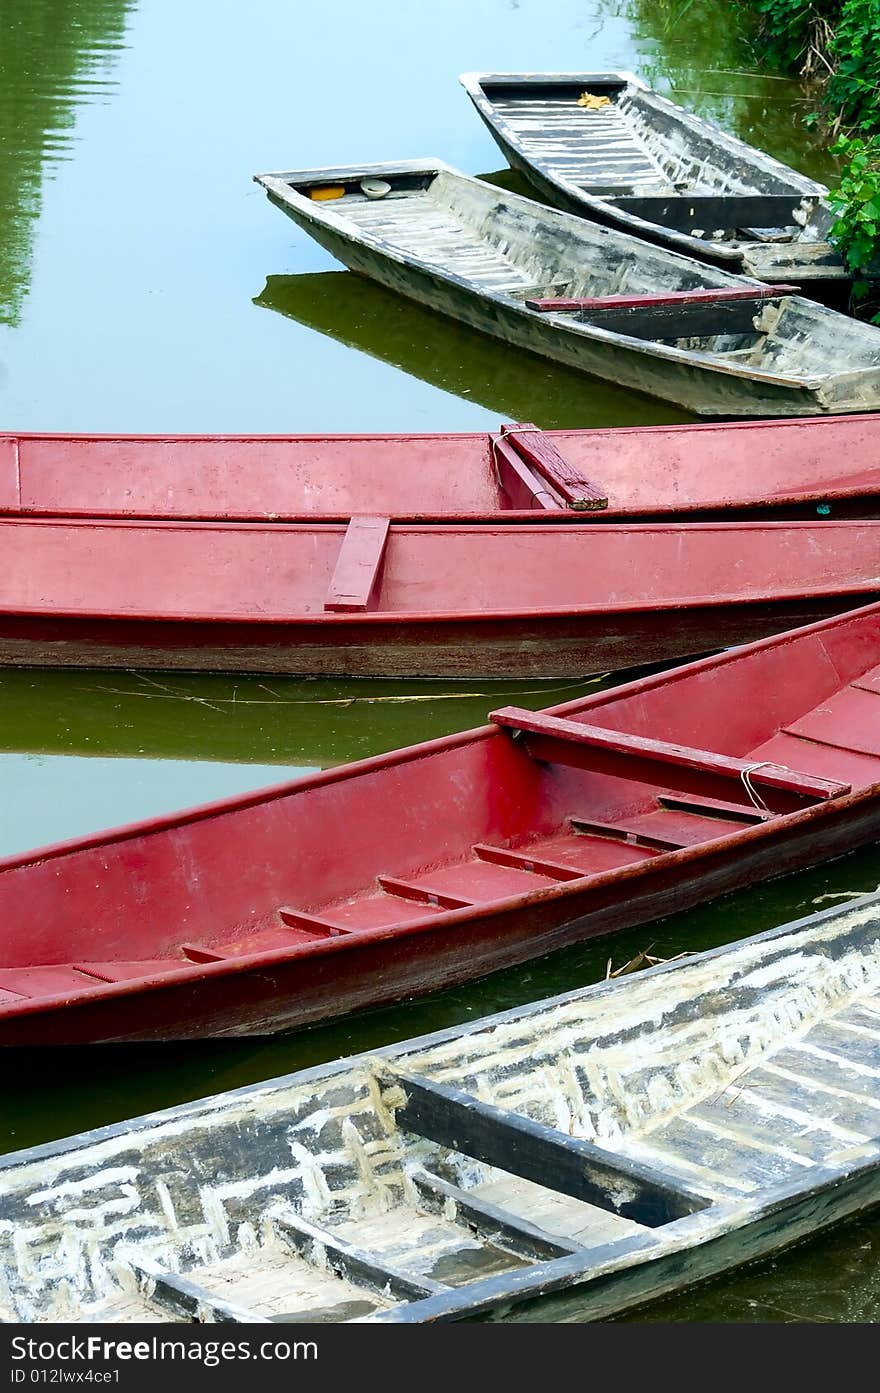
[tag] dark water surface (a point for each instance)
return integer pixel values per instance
(147, 285)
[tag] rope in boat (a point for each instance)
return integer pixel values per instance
(746, 776)
(495, 436)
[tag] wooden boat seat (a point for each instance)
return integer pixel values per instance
(358, 564)
(518, 1145)
(708, 212)
(539, 451)
(179, 1296)
(686, 314)
(553, 738)
(488, 1221)
(523, 488)
(659, 301)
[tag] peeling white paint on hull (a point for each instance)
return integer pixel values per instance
(565, 1161)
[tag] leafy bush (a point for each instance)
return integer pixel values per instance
(795, 33)
(835, 41)
(856, 203)
(854, 89)
(838, 41)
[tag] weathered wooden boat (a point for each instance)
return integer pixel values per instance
(631, 159)
(592, 297)
(435, 864)
(565, 1161)
(811, 466)
(376, 598)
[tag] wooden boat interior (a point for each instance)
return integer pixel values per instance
(463, 1173)
(655, 161)
(538, 803)
(311, 573)
(273, 478)
(503, 246)
(516, 468)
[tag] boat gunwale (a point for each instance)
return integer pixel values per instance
(278, 185)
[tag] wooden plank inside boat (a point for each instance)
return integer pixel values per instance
(356, 573)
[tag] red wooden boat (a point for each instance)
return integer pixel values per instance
(753, 468)
(376, 599)
(431, 865)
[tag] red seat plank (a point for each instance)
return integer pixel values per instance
(632, 836)
(48, 979)
(309, 923)
(411, 890)
(519, 483)
(700, 761)
(357, 566)
(670, 297)
(10, 482)
(713, 807)
(538, 449)
(534, 863)
(869, 681)
(195, 953)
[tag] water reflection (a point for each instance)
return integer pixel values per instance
(55, 57)
(241, 719)
(706, 58)
(83, 751)
(455, 358)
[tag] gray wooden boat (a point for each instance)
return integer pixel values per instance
(564, 1161)
(587, 296)
(634, 160)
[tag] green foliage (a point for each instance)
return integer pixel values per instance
(789, 30)
(835, 41)
(838, 41)
(856, 203)
(854, 89)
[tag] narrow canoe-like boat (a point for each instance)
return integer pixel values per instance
(608, 147)
(566, 1161)
(818, 465)
(435, 864)
(591, 297)
(376, 598)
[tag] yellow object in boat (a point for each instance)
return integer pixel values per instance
(326, 191)
(592, 102)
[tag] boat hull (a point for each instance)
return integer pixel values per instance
(382, 968)
(697, 471)
(526, 646)
(698, 388)
(805, 1216)
(826, 285)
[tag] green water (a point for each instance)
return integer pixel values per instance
(147, 285)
